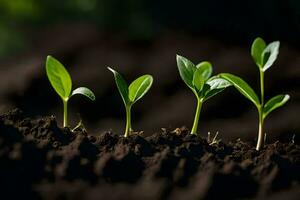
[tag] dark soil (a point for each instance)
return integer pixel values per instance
(39, 160)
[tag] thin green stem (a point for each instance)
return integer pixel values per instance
(128, 121)
(197, 115)
(65, 122)
(260, 140)
(262, 87)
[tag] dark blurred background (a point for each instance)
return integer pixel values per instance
(142, 36)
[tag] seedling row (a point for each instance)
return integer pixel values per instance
(198, 77)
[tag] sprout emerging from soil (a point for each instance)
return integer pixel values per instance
(264, 56)
(62, 83)
(136, 90)
(198, 79)
(213, 140)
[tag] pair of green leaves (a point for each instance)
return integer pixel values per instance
(264, 56)
(249, 93)
(61, 81)
(198, 78)
(136, 90)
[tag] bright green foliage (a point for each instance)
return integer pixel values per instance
(58, 77)
(139, 87)
(274, 103)
(258, 46)
(242, 87)
(62, 84)
(84, 91)
(264, 56)
(136, 90)
(198, 79)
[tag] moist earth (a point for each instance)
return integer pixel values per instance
(40, 160)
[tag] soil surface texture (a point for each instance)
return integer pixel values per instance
(40, 160)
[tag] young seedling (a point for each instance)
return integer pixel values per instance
(62, 84)
(264, 56)
(198, 79)
(136, 90)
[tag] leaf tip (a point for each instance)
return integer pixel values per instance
(111, 69)
(151, 79)
(277, 44)
(48, 57)
(258, 38)
(178, 57)
(287, 97)
(92, 96)
(150, 76)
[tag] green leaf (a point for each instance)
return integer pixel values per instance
(84, 91)
(216, 85)
(274, 103)
(139, 87)
(58, 77)
(205, 69)
(198, 80)
(216, 82)
(270, 54)
(121, 85)
(258, 46)
(242, 87)
(186, 70)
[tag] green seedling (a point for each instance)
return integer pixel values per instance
(198, 79)
(264, 56)
(62, 83)
(136, 90)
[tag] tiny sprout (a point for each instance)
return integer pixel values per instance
(293, 139)
(80, 125)
(264, 56)
(213, 140)
(198, 79)
(62, 83)
(136, 90)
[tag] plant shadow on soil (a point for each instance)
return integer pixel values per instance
(39, 160)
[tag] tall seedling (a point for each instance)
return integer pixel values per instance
(264, 56)
(62, 84)
(198, 79)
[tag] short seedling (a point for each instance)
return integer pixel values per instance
(264, 56)
(213, 140)
(136, 90)
(198, 79)
(62, 84)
